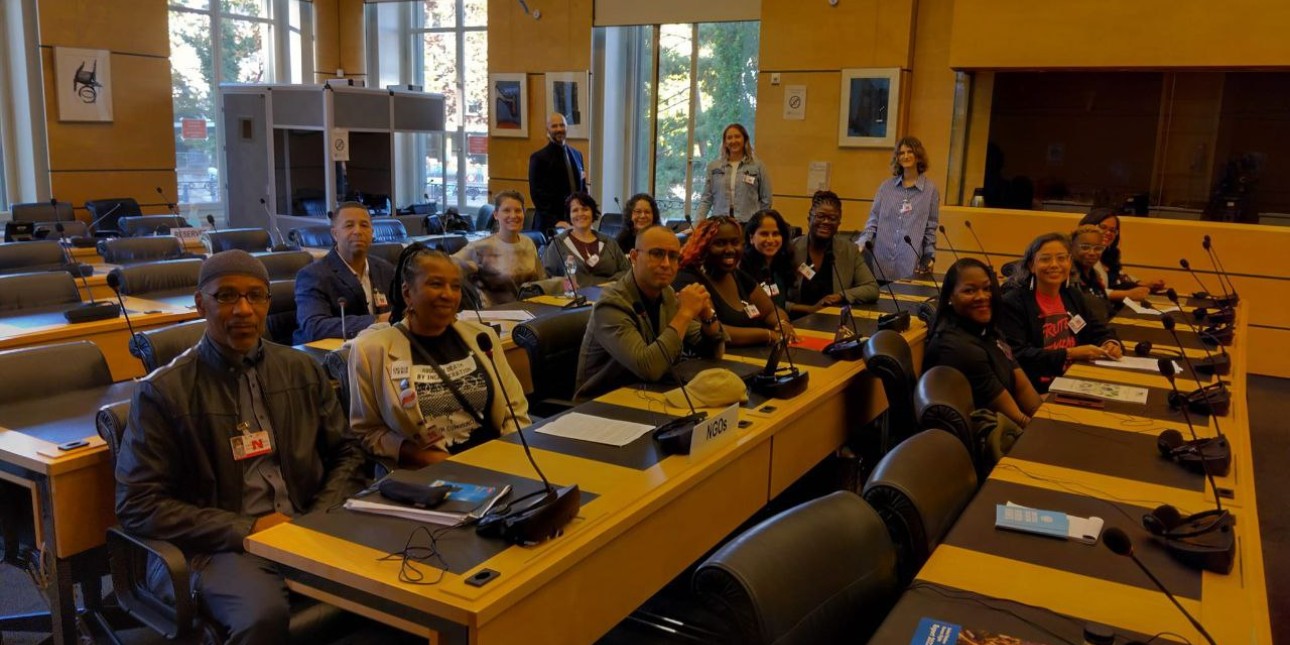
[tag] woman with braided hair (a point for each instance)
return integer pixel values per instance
(831, 271)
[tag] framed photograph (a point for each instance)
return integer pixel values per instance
(569, 94)
(508, 94)
(870, 107)
(84, 79)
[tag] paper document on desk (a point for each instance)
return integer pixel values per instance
(585, 427)
(1150, 308)
(518, 315)
(1016, 517)
(1099, 390)
(1137, 363)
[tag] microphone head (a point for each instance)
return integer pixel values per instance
(159, 190)
(485, 343)
(53, 201)
(868, 245)
(1184, 264)
(942, 227)
(1166, 368)
(1205, 243)
(908, 241)
(1117, 541)
(1172, 295)
(59, 227)
(114, 280)
(210, 219)
(263, 201)
(1142, 349)
(342, 302)
(1168, 321)
(967, 223)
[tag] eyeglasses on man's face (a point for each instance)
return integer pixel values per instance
(658, 255)
(228, 297)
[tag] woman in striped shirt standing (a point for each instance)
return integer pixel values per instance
(907, 205)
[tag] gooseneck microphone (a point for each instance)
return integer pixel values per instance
(342, 301)
(618, 204)
(546, 517)
(114, 282)
(1211, 399)
(1230, 296)
(283, 244)
(474, 300)
(174, 209)
(102, 217)
(680, 424)
(919, 257)
(92, 310)
(988, 264)
(210, 219)
(771, 381)
(1120, 543)
(1219, 365)
(948, 242)
(1206, 456)
(1204, 293)
(899, 321)
(848, 344)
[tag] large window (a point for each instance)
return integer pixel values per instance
(440, 46)
(227, 41)
(666, 92)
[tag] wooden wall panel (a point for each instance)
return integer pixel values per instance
(558, 42)
(798, 35)
(508, 159)
(135, 26)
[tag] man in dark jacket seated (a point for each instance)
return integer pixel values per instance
(236, 435)
(347, 273)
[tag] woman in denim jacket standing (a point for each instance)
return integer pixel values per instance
(735, 183)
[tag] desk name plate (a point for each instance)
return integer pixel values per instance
(714, 431)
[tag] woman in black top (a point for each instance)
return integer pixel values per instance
(642, 213)
(965, 339)
(766, 247)
(1047, 323)
(1118, 283)
(711, 258)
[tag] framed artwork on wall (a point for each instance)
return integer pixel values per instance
(84, 79)
(508, 96)
(869, 113)
(568, 93)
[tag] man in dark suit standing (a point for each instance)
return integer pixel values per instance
(348, 273)
(555, 171)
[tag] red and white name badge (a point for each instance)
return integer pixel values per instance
(251, 444)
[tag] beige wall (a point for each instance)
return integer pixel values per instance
(135, 153)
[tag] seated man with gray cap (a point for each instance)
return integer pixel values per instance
(640, 324)
(234, 436)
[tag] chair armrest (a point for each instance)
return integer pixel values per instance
(131, 557)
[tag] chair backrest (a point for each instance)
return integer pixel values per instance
(336, 362)
(611, 224)
(919, 489)
(413, 224)
(388, 229)
(538, 237)
(26, 257)
(553, 343)
(110, 210)
(151, 225)
(157, 347)
(144, 278)
(888, 356)
(388, 251)
(43, 212)
(318, 237)
(31, 290)
(944, 401)
(49, 229)
(34, 372)
(250, 240)
(484, 218)
(821, 572)
(281, 321)
(128, 250)
(284, 265)
(110, 422)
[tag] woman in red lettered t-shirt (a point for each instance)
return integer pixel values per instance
(1048, 324)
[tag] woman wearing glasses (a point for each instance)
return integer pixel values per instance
(831, 271)
(735, 183)
(1048, 324)
(642, 213)
(711, 258)
(1119, 284)
(423, 389)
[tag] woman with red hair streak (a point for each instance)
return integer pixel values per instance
(711, 258)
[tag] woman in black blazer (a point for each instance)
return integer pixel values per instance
(1048, 324)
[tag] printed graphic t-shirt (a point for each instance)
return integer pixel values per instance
(1057, 326)
(442, 411)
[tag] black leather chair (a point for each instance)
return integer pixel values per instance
(32, 290)
(129, 250)
(919, 489)
(388, 251)
(538, 237)
(448, 243)
(336, 362)
(28, 257)
(151, 225)
(48, 230)
(105, 213)
(251, 240)
(281, 322)
(822, 572)
(943, 401)
(887, 355)
(165, 278)
(151, 578)
(413, 224)
(388, 229)
(284, 265)
(43, 212)
(611, 224)
(157, 347)
(484, 218)
(553, 343)
(318, 237)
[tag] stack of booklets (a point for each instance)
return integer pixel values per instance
(463, 501)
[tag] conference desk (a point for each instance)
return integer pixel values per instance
(644, 519)
(31, 327)
(1104, 463)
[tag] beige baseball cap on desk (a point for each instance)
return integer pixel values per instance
(712, 388)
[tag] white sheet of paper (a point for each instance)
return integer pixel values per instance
(1139, 309)
(518, 315)
(1137, 363)
(585, 427)
(1099, 390)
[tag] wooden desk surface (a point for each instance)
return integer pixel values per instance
(1233, 607)
(643, 528)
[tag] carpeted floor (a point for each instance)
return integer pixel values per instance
(1270, 439)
